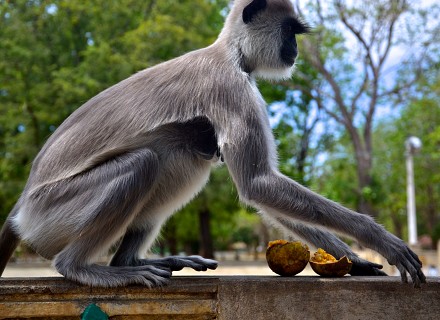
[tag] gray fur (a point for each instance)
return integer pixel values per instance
(121, 164)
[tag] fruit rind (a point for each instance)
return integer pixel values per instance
(329, 266)
(287, 258)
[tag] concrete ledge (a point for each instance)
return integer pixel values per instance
(229, 298)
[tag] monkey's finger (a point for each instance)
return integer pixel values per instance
(157, 281)
(415, 276)
(421, 275)
(203, 262)
(164, 268)
(163, 272)
(403, 275)
(209, 263)
(381, 273)
(199, 264)
(414, 256)
(414, 267)
(176, 263)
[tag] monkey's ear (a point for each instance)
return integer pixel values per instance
(252, 9)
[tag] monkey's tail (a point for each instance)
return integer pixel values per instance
(9, 240)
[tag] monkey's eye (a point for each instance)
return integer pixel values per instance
(292, 26)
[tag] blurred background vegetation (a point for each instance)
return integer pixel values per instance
(366, 79)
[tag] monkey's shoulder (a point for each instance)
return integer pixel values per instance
(203, 70)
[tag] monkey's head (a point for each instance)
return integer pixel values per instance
(262, 32)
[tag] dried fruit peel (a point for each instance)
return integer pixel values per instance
(326, 265)
(287, 258)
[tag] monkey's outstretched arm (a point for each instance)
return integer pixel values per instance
(332, 244)
(248, 157)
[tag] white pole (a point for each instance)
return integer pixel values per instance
(413, 144)
(411, 202)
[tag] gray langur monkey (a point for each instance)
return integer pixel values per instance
(126, 160)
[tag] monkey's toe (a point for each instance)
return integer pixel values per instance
(177, 263)
(205, 263)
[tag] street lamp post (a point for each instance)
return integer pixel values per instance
(412, 145)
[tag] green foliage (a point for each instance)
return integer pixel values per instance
(337, 177)
(420, 118)
(55, 55)
(352, 51)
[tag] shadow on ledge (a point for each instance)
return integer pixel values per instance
(237, 298)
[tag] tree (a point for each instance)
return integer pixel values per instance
(350, 50)
(420, 118)
(55, 55)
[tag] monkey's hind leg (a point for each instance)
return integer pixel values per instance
(132, 244)
(121, 185)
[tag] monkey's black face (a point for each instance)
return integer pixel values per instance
(290, 27)
(289, 51)
(268, 48)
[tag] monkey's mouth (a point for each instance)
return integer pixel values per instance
(288, 60)
(288, 54)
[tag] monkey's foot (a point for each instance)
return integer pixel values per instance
(110, 276)
(176, 263)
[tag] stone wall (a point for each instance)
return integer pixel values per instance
(231, 298)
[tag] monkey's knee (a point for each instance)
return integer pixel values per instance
(139, 168)
(96, 205)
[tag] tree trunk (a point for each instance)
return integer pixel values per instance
(301, 159)
(431, 214)
(364, 164)
(364, 167)
(206, 243)
(171, 239)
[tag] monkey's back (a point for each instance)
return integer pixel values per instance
(125, 116)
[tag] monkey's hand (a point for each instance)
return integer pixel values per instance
(363, 267)
(406, 261)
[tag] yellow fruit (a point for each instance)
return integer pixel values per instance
(287, 258)
(326, 265)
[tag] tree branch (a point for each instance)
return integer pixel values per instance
(308, 91)
(356, 33)
(360, 91)
(318, 64)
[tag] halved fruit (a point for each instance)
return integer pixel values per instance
(287, 258)
(326, 265)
